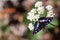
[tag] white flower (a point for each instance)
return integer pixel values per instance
(38, 4)
(31, 17)
(49, 7)
(33, 10)
(31, 14)
(50, 14)
(30, 26)
(40, 10)
(36, 17)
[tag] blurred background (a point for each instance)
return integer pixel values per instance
(13, 24)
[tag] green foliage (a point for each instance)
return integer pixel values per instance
(54, 22)
(36, 36)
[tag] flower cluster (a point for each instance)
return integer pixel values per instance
(50, 12)
(34, 14)
(37, 11)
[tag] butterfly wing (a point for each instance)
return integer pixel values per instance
(43, 21)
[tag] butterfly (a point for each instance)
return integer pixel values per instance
(42, 22)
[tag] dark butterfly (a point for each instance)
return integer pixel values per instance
(43, 21)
